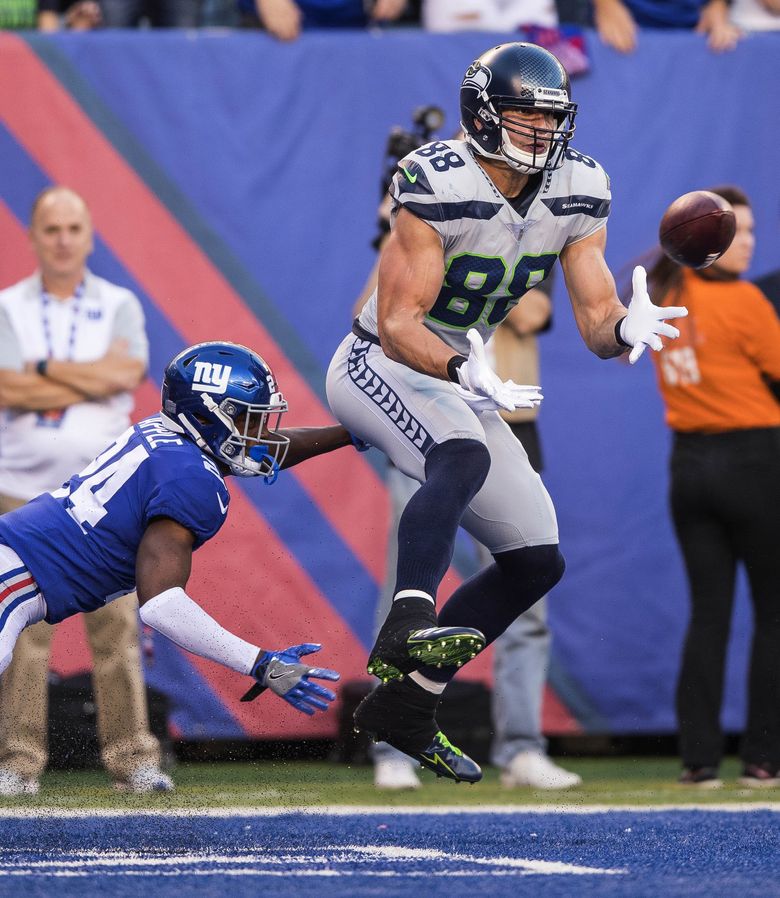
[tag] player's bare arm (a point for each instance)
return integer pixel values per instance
(164, 558)
(28, 391)
(115, 372)
(411, 272)
(308, 442)
(594, 299)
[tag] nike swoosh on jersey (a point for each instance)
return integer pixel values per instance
(409, 176)
(222, 508)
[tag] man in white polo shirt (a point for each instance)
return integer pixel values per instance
(72, 348)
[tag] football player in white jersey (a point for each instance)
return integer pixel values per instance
(475, 224)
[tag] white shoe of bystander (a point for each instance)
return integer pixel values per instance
(395, 773)
(535, 770)
(11, 784)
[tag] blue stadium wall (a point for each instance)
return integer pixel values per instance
(234, 184)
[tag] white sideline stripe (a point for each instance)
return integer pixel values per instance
(341, 810)
(326, 861)
(248, 871)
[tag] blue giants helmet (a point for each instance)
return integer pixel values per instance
(224, 397)
(520, 77)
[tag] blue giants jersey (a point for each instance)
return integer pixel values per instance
(80, 541)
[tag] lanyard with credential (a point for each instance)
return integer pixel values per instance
(53, 417)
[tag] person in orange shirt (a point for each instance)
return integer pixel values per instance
(720, 383)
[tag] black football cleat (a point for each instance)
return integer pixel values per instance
(445, 759)
(402, 647)
(404, 714)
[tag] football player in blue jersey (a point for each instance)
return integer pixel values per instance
(475, 224)
(133, 517)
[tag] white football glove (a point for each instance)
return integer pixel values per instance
(645, 322)
(484, 390)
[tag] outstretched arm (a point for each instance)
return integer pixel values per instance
(162, 569)
(607, 328)
(594, 299)
(307, 442)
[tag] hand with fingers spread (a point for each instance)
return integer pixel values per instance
(283, 673)
(484, 390)
(645, 323)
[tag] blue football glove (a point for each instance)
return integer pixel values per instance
(283, 673)
(360, 445)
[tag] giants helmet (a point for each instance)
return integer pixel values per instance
(224, 397)
(521, 77)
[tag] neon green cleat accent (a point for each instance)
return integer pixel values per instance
(446, 759)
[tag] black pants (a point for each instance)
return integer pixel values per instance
(725, 498)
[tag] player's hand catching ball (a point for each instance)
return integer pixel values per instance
(484, 390)
(645, 325)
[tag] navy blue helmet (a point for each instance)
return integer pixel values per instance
(224, 397)
(520, 77)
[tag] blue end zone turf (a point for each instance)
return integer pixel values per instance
(452, 854)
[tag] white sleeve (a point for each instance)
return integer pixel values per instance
(175, 615)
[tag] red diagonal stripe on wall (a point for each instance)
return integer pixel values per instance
(266, 599)
(200, 303)
(171, 268)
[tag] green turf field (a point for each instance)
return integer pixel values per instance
(611, 781)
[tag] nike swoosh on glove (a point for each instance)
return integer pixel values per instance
(644, 324)
(283, 673)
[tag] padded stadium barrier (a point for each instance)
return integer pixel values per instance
(234, 182)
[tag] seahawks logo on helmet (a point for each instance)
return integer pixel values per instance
(477, 77)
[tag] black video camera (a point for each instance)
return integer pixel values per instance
(400, 142)
(426, 120)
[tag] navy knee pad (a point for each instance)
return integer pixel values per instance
(535, 569)
(495, 597)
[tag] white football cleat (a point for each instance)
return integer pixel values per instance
(12, 784)
(146, 779)
(395, 773)
(535, 770)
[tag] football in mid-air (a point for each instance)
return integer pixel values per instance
(697, 229)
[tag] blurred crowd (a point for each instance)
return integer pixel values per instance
(617, 22)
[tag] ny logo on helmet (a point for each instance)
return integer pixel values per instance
(211, 377)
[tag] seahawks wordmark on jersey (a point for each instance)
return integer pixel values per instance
(493, 252)
(80, 542)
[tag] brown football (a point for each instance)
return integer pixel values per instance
(697, 229)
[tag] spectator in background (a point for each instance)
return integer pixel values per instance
(73, 347)
(53, 15)
(720, 382)
(285, 19)
(550, 24)
(522, 653)
(157, 13)
(618, 21)
(756, 15)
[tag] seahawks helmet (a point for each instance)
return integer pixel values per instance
(517, 76)
(224, 397)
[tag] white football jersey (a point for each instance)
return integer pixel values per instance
(493, 252)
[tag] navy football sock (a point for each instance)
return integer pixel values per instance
(454, 473)
(496, 596)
